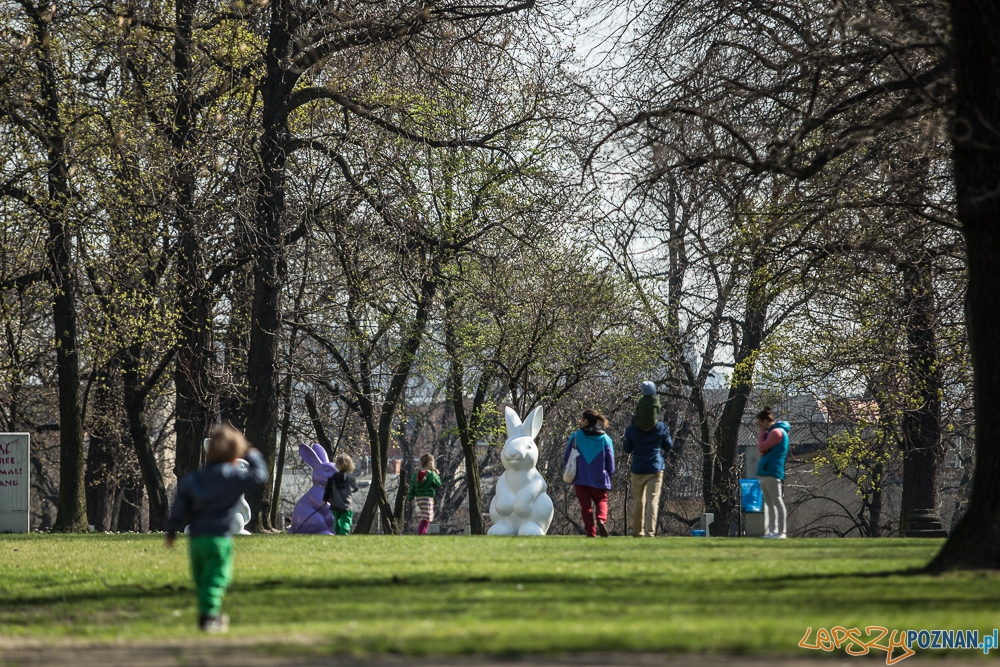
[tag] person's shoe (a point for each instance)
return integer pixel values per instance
(780, 536)
(602, 529)
(216, 624)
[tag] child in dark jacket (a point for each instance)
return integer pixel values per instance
(647, 447)
(423, 488)
(338, 492)
(207, 500)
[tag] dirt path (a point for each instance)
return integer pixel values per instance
(229, 655)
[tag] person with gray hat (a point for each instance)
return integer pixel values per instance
(647, 439)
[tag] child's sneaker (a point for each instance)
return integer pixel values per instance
(602, 529)
(214, 624)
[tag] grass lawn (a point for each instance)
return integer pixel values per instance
(431, 595)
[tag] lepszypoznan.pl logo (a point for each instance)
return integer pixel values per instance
(897, 644)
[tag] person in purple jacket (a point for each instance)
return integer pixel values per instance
(594, 468)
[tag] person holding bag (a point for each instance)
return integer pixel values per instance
(594, 458)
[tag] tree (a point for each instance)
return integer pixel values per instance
(189, 70)
(975, 541)
(45, 115)
(301, 41)
(802, 103)
(432, 207)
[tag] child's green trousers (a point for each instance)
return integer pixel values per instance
(212, 569)
(344, 519)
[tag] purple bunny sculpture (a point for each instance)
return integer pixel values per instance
(311, 515)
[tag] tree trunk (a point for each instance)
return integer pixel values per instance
(975, 542)
(376, 498)
(723, 501)
(379, 438)
(269, 263)
(262, 375)
(72, 513)
(135, 395)
(15, 381)
(875, 504)
(233, 395)
(399, 505)
(317, 423)
(286, 403)
(100, 480)
(466, 431)
(475, 486)
(192, 370)
(129, 519)
(921, 427)
(279, 467)
(102, 475)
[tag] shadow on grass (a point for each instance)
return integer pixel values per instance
(133, 591)
(880, 574)
(399, 584)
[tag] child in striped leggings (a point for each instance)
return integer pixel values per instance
(423, 488)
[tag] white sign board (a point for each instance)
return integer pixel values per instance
(15, 450)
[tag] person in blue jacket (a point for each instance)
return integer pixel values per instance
(773, 446)
(594, 468)
(647, 439)
(207, 499)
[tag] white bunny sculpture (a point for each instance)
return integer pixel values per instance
(242, 516)
(520, 505)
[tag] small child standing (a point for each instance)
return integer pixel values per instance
(423, 488)
(338, 492)
(207, 500)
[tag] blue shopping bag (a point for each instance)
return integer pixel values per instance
(751, 498)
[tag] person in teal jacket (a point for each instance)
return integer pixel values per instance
(773, 446)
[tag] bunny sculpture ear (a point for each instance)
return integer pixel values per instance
(534, 422)
(207, 441)
(513, 422)
(321, 453)
(309, 456)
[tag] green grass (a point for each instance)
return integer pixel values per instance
(472, 594)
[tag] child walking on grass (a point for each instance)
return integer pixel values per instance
(423, 488)
(338, 492)
(206, 501)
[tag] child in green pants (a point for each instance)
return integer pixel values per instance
(207, 500)
(338, 492)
